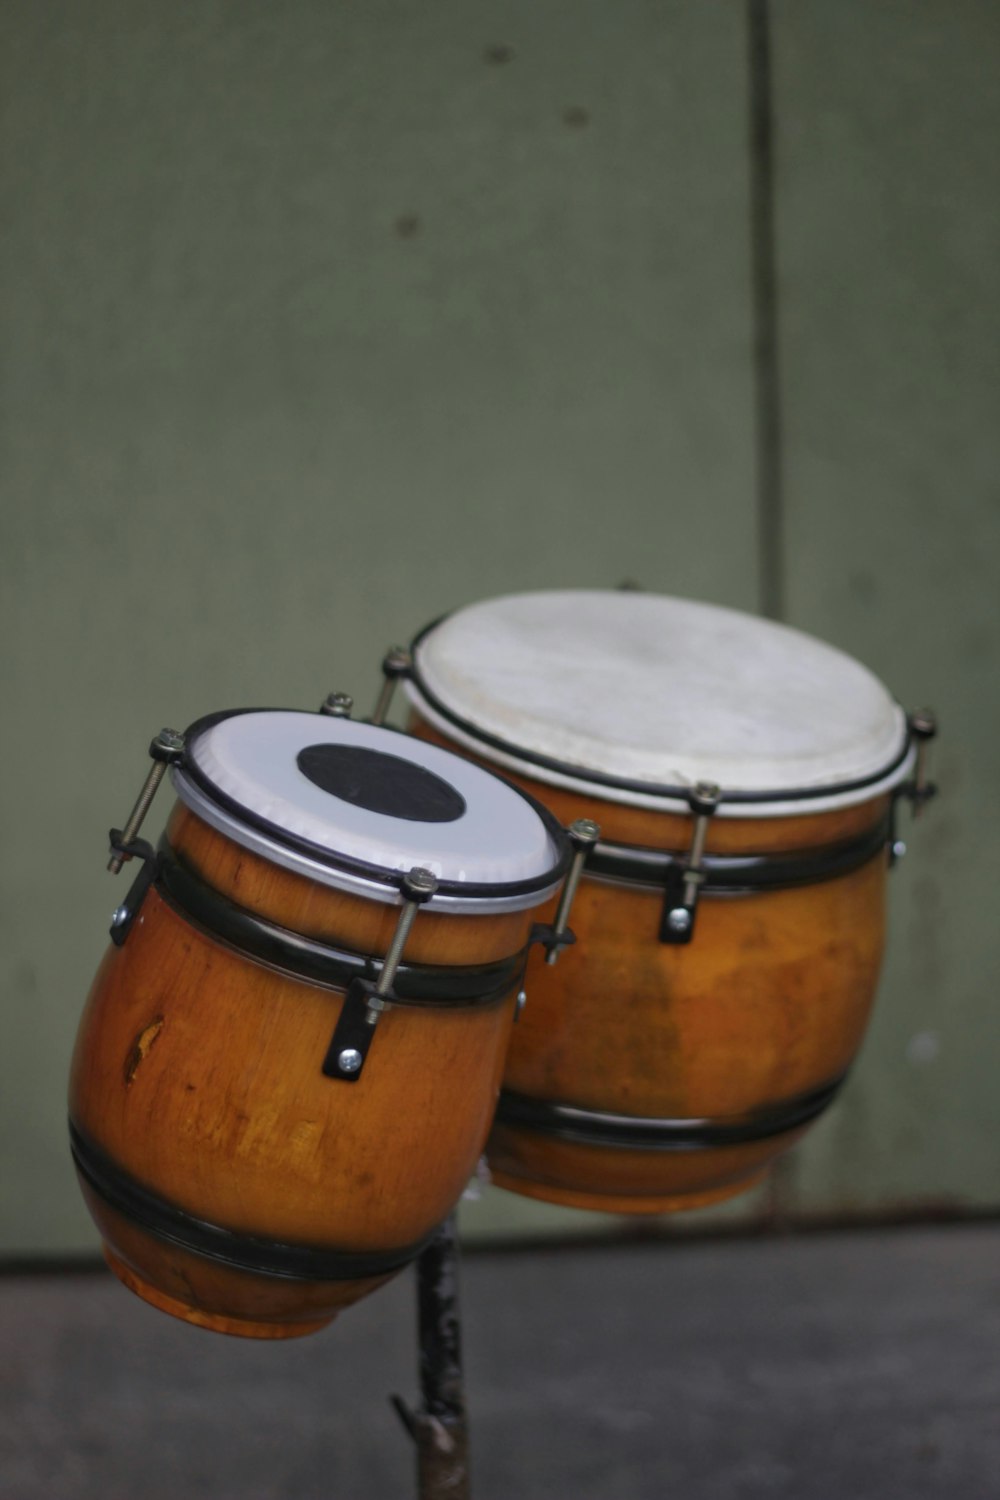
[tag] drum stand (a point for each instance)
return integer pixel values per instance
(439, 1429)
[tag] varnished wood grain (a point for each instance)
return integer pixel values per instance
(769, 1001)
(193, 1288)
(608, 1180)
(198, 1071)
(320, 911)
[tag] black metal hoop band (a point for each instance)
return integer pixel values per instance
(321, 963)
(741, 874)
(588, 1127)
(244, 1252)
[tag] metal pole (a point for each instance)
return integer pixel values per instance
(439, 1429)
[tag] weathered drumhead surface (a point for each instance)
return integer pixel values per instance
(320, 794)
(637, 696)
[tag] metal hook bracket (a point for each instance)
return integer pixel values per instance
(923, 728)
(353, 1033)
(556, 935)
(125, 914)
(684, 882)
(367, 999)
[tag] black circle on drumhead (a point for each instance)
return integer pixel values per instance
(381, 783)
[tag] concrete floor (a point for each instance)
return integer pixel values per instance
(854, 1366)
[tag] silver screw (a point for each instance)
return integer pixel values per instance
(337, 705)
(349, 1061)
(898, 849)
(119, 916)
(585, 832)
(420, 881)
(520, 1003)
(169, 740)
(679, 920)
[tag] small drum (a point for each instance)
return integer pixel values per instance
(730, 920)
(272, 1107)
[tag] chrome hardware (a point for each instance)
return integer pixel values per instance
(337, 705)
(125, 915)
(681, 904)
(583, 835)
(418, 886)
(395, 664)
(165, 749)
(923, 728)
(366, 1000)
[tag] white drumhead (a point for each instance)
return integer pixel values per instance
(324, 795)
(635, 696)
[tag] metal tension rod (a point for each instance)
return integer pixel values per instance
(165, 750)
(396, 664)
(440, 1428)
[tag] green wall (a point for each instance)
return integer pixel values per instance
(319, 320)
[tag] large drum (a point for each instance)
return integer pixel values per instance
(730, 921)
(274, 1102)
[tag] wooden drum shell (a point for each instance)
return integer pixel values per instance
(768, 1003)
(197, 1072)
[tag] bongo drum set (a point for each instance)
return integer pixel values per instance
(303, 1035)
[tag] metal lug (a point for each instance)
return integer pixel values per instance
(125, 914)
(684, 885)
(366, 1001)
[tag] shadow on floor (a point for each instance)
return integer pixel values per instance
(856, 1366)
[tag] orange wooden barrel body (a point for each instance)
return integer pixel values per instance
(197, 1076)
(764, 1008)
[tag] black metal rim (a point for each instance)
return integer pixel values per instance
(380, 874)
(244, 1252)
(623, 783)
(588, 1127)
(741, 874)
(306, 958)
